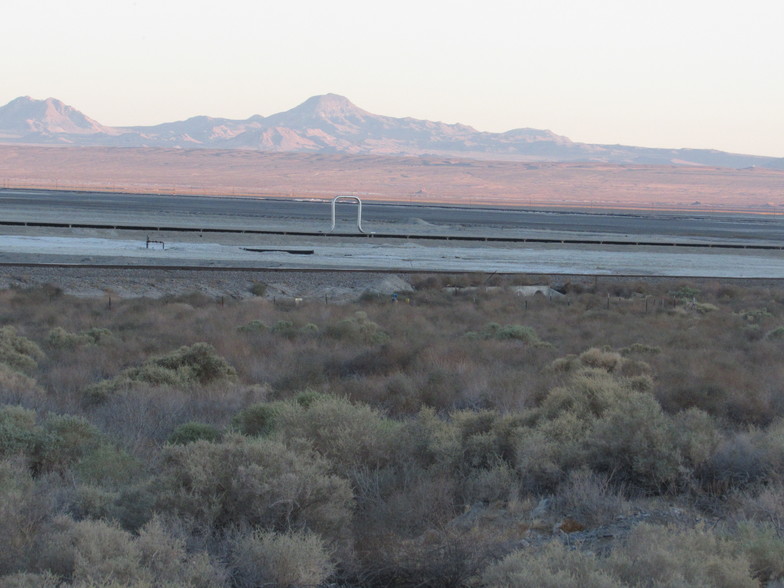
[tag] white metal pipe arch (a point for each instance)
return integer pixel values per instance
(359, 211)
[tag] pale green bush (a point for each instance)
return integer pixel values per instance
(294, 559)
(260, 419)
(506, 333)
(18, 352)
(258, 482)
(656, 555)
(764, 546)
(347, 434)
(600, 420)
(20, 519)
(357, 329)
(186, 367)
(553, 566)
(166, 559)
(190, 432)
(590, 498)
(91, 552)
(59, 338)
(254, 326)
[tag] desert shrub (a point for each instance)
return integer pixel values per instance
(21, 516)
(776, 334)
(357, 329)
(696, 435)
(64, 440)
(600, 420)
(552, 566)
(18, 352)
(755, 315)
(309, 330)
(590, 498)
(59, 338)
(747, 457)
(258, 288)
(505, 332)
(764, 505)
(195, 365)
(764, 546)
(295, 559)
(685, 293)
(448, 557)
(18, 431)
(19, 388)
(640, 348)
(254, 326)
(634, 439)
(259, 420)
(56, 444)
(258, 482)
(347, 434)
(668, 556)
(284, 328)
(91, 552)
(168, 562)
(192, 431)
(602, 359)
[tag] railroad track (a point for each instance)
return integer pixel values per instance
(402, 236)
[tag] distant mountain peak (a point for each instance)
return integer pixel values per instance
(48, 117)
(329, 104)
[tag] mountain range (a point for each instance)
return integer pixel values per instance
(332, 124)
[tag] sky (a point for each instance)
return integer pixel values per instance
(670, 73)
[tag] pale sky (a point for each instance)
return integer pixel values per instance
(670, 73)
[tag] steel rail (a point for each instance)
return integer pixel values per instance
(402, 236)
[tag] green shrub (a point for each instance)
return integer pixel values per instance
(63, 441)
(657, 555)
(358, 329)
(254, 326)
(284, 329)
(20, 516)
(188, 366)
(264, 558)
(776, 334)
(505, 333)
(258, 420)
(19, 353)
(54, 445)
(685, 293)
(59, 338)
(256, 482)
(168, 562)
(552, 566)
(602, 421)
(18, 431)
(91, 552)
(190, 432)
(764, 547)
(349, 435)
(258, 288)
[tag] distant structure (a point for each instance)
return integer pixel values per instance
(359, 211)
